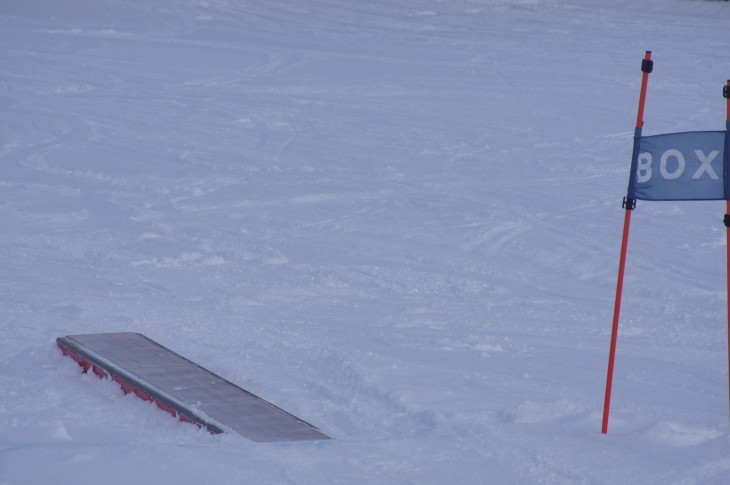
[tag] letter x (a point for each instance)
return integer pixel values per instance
(706, 164)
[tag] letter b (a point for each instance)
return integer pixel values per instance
(643, 168)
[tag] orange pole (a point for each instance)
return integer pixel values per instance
(726, 94)
(646, 68)
(642, 97)
(727, 244)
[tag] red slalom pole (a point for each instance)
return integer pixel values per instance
(726, 94)
(629, 205)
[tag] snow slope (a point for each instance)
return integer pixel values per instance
(398, 220)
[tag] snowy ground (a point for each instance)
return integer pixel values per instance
(397, 219)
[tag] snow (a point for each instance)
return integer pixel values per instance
(399, 220)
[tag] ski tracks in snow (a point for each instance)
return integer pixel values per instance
(397, 221)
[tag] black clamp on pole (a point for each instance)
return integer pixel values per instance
(647, 65)
(726, 220)
(726, 91)
(630, 204)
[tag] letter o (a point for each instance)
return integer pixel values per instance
(666, 174)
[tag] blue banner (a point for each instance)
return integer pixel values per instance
(679, 166)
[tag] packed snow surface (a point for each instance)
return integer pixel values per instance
(399, 220)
